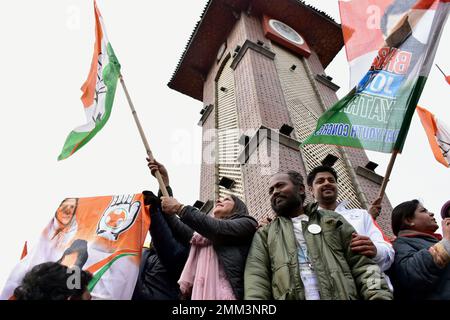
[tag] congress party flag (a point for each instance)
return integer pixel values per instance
(438, 135)
(103, 235)
(98, 91)
(377, 113)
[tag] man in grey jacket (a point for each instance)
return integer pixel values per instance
(305, 254)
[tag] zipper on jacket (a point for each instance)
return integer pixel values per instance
(296, 274)
(305, 225)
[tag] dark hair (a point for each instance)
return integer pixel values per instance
(445, 210)
(76, 203)
(312, 175)
(239, 207)
(79, 246)
(48, 281)
(296, 179)
(401, 212)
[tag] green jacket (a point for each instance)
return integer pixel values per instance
(272, 270)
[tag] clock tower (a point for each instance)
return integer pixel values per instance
(258, 66)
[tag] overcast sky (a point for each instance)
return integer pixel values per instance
(46, 53)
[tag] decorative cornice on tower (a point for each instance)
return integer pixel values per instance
(206, 111)
(260, 137)
(326, 81)
(251, 45)
(369, 174)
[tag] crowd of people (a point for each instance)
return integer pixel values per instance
(316, 251)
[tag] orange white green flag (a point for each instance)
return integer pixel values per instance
(368, 25)
(438, 135)
(98, 90)
(390, 46)
(103, 235)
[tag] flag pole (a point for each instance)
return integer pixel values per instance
(158, 176)
(440, 70)
(388, 174)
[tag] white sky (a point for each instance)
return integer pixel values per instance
(46, 53)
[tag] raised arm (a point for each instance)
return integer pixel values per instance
(220, 231)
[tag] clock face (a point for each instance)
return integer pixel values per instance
(286, 32)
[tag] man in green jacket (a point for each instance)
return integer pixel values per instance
(304, 254)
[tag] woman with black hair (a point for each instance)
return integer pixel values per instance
(219, 247)
(421, 268)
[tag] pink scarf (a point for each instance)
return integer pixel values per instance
(203, 277)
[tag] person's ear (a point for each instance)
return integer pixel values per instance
(410, 222)
(302, 189)
(310, 189)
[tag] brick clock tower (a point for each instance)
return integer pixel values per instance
(258, 67)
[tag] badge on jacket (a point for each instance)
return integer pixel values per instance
(314, 228)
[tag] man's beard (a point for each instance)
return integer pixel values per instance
(289, 205)
(328, 199)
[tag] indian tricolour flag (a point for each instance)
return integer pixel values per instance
(98, 90)
(103, 235)
(395, 42)
(438, 134)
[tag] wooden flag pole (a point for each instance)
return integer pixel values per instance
(158, 176)
(388, 174)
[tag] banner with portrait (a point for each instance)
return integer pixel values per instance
(102, 235)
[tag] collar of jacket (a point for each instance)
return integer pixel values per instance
(414, 233)
(317, 216)
(237, 216)
(311, 209)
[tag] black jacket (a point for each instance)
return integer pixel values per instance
(161, 266)
(414, 274)
(154, 281)
(231, 240)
